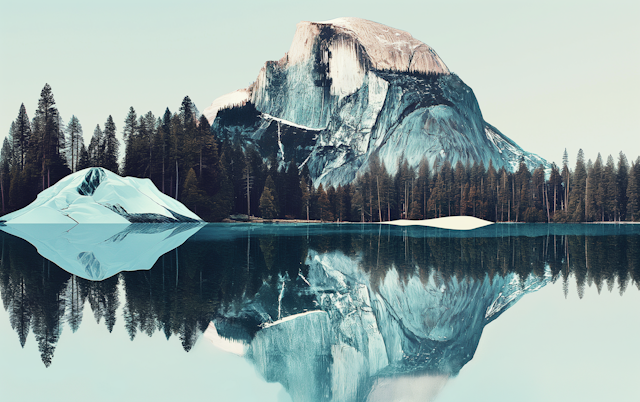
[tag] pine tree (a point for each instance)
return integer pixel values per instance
(6, 156)
(49, 138)
(423, 180)
(555, 189)
(292, 192)
(192, 196)
(95, 150)
(492, 193)
(305, 197)
(324, 206)
(75, 141)
(523, 194)
(622, 180)
(610, 191)
(633, 192)
(461, 178)
(129, 137)
(110, 146)
(576, 208)
(503, 191)
(21, 135)
(268, 205)
(83, 161)
(415, 211)
(566, 180)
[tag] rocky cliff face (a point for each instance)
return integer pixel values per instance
(350, 88)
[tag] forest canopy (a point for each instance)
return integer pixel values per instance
(216, 177)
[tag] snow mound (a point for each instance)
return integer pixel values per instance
(96, 195)
(447, 222)
(98, 252)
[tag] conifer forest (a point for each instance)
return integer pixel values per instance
(217, 177)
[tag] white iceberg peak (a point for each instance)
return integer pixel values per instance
(96, 195)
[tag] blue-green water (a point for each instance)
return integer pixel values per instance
(321, 312)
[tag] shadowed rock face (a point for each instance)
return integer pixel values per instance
(91, 181)
(349, 89)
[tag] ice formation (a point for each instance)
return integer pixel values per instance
(349, 89)
(96, 195)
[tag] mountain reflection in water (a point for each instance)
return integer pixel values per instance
(332, 312)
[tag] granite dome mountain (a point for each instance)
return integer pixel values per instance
(349, 89)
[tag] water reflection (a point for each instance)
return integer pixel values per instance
(331, 312)
(335, 332)
(98, 252)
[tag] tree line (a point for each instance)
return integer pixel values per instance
(216, 176)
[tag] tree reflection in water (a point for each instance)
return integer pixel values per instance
(246, 278)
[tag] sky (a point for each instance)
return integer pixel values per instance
(548, 74)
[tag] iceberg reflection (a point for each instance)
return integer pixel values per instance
(100, 251)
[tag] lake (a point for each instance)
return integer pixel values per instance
(320, 312)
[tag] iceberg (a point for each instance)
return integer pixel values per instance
(96, 195)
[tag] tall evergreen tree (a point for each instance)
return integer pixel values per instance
(111, 146)
(192, 196)
(305, 197)
(622, 180)
(555, 189)
(75, 141)
(324, 206)
(96, 147)
(268, 208)
(576, 207)
(129, 133)
(610, 191)
(48, 135)
(83, 161)
(566, 180)
(633, 192)
(21, 135)
(5, 168)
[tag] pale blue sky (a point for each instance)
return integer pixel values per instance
(548, 74)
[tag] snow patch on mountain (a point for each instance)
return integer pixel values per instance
(234, 98)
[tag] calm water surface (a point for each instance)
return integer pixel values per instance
(320, 313)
